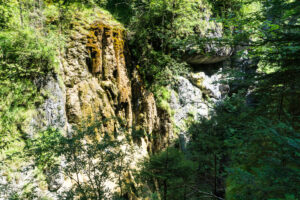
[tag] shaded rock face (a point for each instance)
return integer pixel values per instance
(212, 54)
(52, 112)
(211, 50)
(187, 100)
(146, 116)
(187, 103)
(193, 97)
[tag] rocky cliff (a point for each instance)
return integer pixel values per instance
(98, 82)
(95, 82)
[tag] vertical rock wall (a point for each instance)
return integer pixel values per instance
(98, 83)
(94, 81)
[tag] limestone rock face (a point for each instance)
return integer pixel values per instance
(52, 112)
(154, 121)
(187, 101)
(98, 84)
(207, 84)
(193, 97)
(96, 76)
(94, 81)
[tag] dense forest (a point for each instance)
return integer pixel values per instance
(150, 99)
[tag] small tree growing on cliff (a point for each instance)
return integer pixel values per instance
(91, 158)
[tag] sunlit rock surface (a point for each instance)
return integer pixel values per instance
(94, 82)
(194, 97)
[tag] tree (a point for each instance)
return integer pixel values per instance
(269, 144)
(207, 149)
(256, 128)
(163, 29)
(169, 173)
(90, 158)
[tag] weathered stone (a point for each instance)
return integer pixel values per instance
(192, 99)
(187, 100)
(97, 84)
(211, 51)
(52, 112)
(208, 85)
(93, 81)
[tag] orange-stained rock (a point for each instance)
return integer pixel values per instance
(98, 84)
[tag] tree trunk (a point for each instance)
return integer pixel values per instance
(21, 13)
(215, 174)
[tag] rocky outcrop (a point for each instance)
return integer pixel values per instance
(187, 101)
(93, 81)
(213, 53)
(95, 76)
(96, 83)
(207, 84)
(206, 48)
(193, 97)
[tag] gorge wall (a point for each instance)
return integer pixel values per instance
(96, 81)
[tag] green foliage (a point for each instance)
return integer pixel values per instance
(121, 9)
(169, 173)
(260, 134)
(7, 8)
(91, 158)
(159, 69)
(159, 26)
(226, 8)
(257, 157)
(165, 20)
(28, 52)
(249, 146)
(162, 96)
(265, 164)
(207, 150)
(25, 55)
